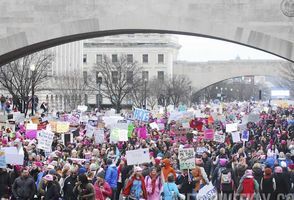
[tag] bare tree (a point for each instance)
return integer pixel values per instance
(120, 77)
(287, 78)
(20, 79)
(73, 88)
(178, 89)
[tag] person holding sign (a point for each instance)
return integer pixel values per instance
(136, 188)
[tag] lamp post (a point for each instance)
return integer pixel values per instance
(33, 68)
(99, 82)
(145, 93)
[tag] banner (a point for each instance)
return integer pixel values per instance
(62, 127)
(45, 139)
(99, 136)
(2, 159)
(231, 127)
(138, 156)
(207, 192)
(141, 115)
(219, 138)
(186, 158)
(208, 134)
(245, 136)
(236, 137)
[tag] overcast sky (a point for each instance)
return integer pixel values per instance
(205, 49)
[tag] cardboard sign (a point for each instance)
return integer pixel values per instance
(141, 115)
(62, 127)
(2, 159)
(187, 158)
(45, 139)
(207, 192)
(208, 134)
(219, 138)
(236, 137)
(245, 136)
(138, 156)
(231, 127)
(99, 136)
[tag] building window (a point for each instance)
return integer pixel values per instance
(129, 77)
(114, 58)
(99, 58)
(85, 58)
(160, 58)
(130, 58)
(145, 58)
(160, 75)
(114, 75)
(145, 75)
(85, 76)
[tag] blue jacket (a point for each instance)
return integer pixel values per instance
(168, 190)
(111, 176)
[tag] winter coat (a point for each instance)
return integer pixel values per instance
(170, 189)
(111, 176)
(52, 191)
(24, 188)
(157, 189)
(129, 185)
(4, 184)
(102, 192)
(282, 182)
(267, 188)
(86, 193)
(207, 165)
(69, 184)
(186, 185)
(258, 174)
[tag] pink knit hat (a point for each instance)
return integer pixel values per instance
(278, 170)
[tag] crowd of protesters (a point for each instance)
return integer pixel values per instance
(261, 168)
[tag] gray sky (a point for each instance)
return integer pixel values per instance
(205, 49)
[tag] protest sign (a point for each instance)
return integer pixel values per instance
(161, 126)
(138, 156)
(90, 131)
(31, 126)
(18, 117)
(154, 125)
(201, 150)
(208, 134)
(130, 130)
(110, 120)
(2, 159)
(231, 127)
(74, 120)
(84, 119)
(207, 192)
(53, 125)
(198, 114)
(245, 136)
(99, 136)
(118, 135)
(219, 138)
(175, 116)
(45, 139)
(141, 115)
(186, 125)
(142, 132)
(186, 158)
(13, 156)
(31, 134)
(236, 137)
(62, 127)
(253, 117)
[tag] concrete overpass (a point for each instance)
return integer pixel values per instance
(27, 26)
(204, 74)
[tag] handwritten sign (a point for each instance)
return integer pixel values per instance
(141, 115)
(154, 125)
(90, 131)
(245, 136)
(62, 127)
(201, 150)
(219, 138)
(45, 139)
(231, 127)
(207, 192)
(13, 156)
(236, 137)
(99, 136)
(138, 156)
(186, 158)
(208, 134)
(118, 135)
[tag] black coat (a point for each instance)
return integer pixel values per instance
(69, 184)
(283, 185)
(186, 185)
(5, 184)
(52, 191)
(207, 165)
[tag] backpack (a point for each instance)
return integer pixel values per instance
(226, 182)
(248, 186)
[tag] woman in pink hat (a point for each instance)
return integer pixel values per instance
(52, 188)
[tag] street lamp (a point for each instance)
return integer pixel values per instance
(33, 68)
(99, 82)
(145, 92)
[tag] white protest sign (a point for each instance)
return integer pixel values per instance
(137, 156)
(45, 139)
(198, 113)
(236, 137)
(154, 125)
(99, 136)
(187, 158)
(13, 156)
(111, 120)
(201, 150)
(219, 138)
(186, 125)
(118, 135)
(207, 192)
(90, 131)
(31, 126)
(231, 127)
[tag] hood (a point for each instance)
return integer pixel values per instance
(166, 162)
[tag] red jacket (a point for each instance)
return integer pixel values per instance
(129, 185)
(102, 193)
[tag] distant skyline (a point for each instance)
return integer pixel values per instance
(199, 49)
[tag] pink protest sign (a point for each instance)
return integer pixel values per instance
(209, 134)
(142, 132)
(31, 134)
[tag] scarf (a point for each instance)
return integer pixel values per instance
(153, 182)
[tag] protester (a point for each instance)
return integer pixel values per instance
(153, 184)
(52, 190)
(24, 187)
(84, 189)
(111, 177)
(69, 184)
(102, 188)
